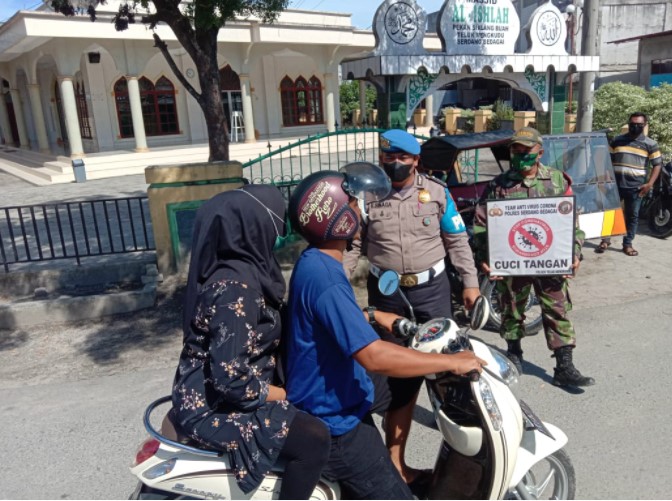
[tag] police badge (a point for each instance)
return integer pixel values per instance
(424, 196)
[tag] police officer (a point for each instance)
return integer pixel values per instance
(410, 232)
(529, 178)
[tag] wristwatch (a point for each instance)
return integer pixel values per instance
(369, 310)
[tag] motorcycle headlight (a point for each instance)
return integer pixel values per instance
(506, 370)
(490, 404)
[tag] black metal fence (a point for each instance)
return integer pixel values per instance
(74, 230)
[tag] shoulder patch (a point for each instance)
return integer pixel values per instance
(452, 222)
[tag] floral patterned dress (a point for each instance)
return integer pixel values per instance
(222, 381)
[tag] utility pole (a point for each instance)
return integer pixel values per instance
(589, 47)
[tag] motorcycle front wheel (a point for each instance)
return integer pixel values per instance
(660, 218)
(551, 478)
(533, 320)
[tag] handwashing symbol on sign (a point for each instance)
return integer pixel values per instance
(530, 237)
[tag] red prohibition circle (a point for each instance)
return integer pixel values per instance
(530, 237)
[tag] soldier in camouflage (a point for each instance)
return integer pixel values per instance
(528, 178)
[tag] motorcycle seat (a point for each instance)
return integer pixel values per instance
(172, 431)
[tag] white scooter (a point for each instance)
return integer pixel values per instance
(494, 446)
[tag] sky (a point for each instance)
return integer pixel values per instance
(362, 10)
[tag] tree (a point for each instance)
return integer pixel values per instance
(614, 102)
(196, 25)
(349, 97)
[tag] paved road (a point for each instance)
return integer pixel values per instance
(76, 439)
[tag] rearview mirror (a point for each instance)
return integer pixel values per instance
(479, 314)
(388, 283)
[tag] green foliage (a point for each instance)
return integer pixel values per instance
(500, 111)
(466, 121)
(614, 102)
(658, 108)
(349, 97)
(202, 14)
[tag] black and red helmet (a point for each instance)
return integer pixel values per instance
(319, 207)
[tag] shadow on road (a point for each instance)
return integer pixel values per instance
(145, 330)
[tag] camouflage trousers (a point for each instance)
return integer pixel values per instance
(554, 298)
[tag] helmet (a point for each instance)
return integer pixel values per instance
(319, 207)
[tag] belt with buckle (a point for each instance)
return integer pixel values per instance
(413, 279)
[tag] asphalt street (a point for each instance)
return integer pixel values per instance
(72, 396)
(76, 439)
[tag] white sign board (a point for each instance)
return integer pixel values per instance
(489, 27)
(531, 236)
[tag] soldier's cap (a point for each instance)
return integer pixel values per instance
(527, 136)
(399, 141)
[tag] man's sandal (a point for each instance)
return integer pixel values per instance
(602, 247)
(629, 251)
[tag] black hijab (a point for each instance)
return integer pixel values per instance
(233, 239)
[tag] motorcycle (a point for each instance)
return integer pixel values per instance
(533, 319)
(660, 204)
(493, 445)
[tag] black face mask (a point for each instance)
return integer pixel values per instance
(397, 171)
(636, 129)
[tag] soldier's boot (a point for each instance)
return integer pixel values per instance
(514, 353)
(565, 372)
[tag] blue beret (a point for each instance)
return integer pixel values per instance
(397, 141)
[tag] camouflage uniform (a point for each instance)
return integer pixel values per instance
(514, 291)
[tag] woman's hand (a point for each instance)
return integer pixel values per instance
(276, 393)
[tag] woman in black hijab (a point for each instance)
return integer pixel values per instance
(223, 394)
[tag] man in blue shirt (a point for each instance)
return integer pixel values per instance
(331, 348)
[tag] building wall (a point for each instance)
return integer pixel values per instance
(625, 19)
(649, 50)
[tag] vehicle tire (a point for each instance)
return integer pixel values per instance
(660, 217)
(533, 320)
(551, 478)
(145, 492)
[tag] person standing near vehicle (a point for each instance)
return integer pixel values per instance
(224, 393)
(529, 178)
(410, 232)
(332, 349)
(637, 162)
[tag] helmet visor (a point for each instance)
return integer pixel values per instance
(365, 177)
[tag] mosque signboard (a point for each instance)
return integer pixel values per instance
(479, 27)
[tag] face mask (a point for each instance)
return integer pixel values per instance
(280, 237)
(636, 129)
(397, 171)
(523, 161)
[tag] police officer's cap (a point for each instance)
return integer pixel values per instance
(399, 141)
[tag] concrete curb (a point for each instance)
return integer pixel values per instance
(68, 308)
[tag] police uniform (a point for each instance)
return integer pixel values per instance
(411, 232)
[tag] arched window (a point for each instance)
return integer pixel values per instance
(301, 101)
(166, 108)
(232, 97)
(159, 111)
(123, 108)
(82, 111)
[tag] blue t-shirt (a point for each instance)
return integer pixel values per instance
(326, 327)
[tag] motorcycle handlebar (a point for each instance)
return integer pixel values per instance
(404, 328)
